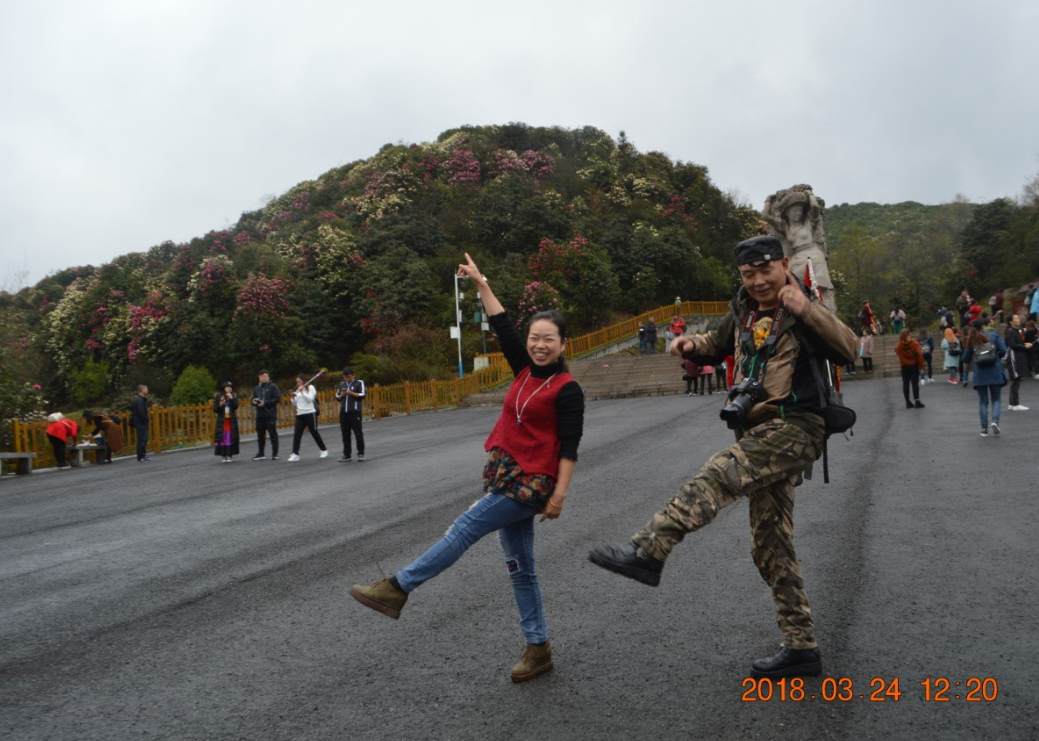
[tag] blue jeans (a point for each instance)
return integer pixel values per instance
(515, 525)
(984, 394)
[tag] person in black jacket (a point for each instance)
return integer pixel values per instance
(139, 421)
(1017, 361)
(225, 431)
(266, 397)
(1031, 335)
(351, 394)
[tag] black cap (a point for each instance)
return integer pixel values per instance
(759, 249)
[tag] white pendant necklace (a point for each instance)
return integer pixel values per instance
(519, 409)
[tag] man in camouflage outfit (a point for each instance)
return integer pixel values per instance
(769, 329)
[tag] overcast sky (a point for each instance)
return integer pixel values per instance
(124, 124)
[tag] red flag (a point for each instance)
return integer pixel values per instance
(810, 280)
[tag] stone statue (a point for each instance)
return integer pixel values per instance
(796, 217)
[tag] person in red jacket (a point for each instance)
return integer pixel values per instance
(532, 454)
(59, 431)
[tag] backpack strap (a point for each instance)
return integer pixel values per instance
(824, 400)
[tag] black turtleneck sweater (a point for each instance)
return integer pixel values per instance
(569, 401)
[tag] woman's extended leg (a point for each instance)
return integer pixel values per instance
(489, 513)
(517, 541)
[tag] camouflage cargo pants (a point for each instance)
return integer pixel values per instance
(764, 465)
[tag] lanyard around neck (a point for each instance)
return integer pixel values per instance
(519, 409)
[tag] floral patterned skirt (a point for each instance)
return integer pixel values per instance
(503, 475)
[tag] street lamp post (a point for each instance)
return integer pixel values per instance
(458, 326)
(482, 321)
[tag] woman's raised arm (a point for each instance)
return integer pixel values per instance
(490, 301)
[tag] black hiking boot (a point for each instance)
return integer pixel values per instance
(789, 662)
(628, 560)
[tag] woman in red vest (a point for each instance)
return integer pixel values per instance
(532, 451)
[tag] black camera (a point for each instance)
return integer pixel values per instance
(742, 397)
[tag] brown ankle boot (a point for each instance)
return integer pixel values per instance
(381, 596)
(536, 660)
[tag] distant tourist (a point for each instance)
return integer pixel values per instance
(225, 431)
(1031, 335)
(139, 422)
(963, 303)
(707, 378)
(1017, 365)
(690, 374)
(951, 346)
(911, 361)
(351, 394)
(266, 397)
(720, 372)
(304, 398)
(898, 320)
(866, 318)
(675, 329)
(926, 343)
(985, 348)
(107, 431)
(974, 312)
(996, 303)
(643, 344)
(61, 432)
(651, 336)
(866, 350)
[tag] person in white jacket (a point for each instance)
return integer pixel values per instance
(304, 399)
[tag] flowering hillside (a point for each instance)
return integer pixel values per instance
(356, 265)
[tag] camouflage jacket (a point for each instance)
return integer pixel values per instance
(788, 378)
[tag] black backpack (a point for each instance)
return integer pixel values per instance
(837, 418)
(985, 356)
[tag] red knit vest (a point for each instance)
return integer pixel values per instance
(534, 443)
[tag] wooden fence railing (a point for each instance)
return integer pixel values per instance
(593, 341)
(177, 427)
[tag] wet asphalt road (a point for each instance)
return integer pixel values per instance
(185, 599)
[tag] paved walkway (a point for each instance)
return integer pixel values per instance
(186, 599)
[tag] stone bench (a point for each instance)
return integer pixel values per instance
(75, 453)
(24, 461)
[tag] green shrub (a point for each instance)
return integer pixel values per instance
(90, 381)
(194, 386)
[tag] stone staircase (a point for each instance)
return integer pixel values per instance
(613, 377)
(885, 362)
